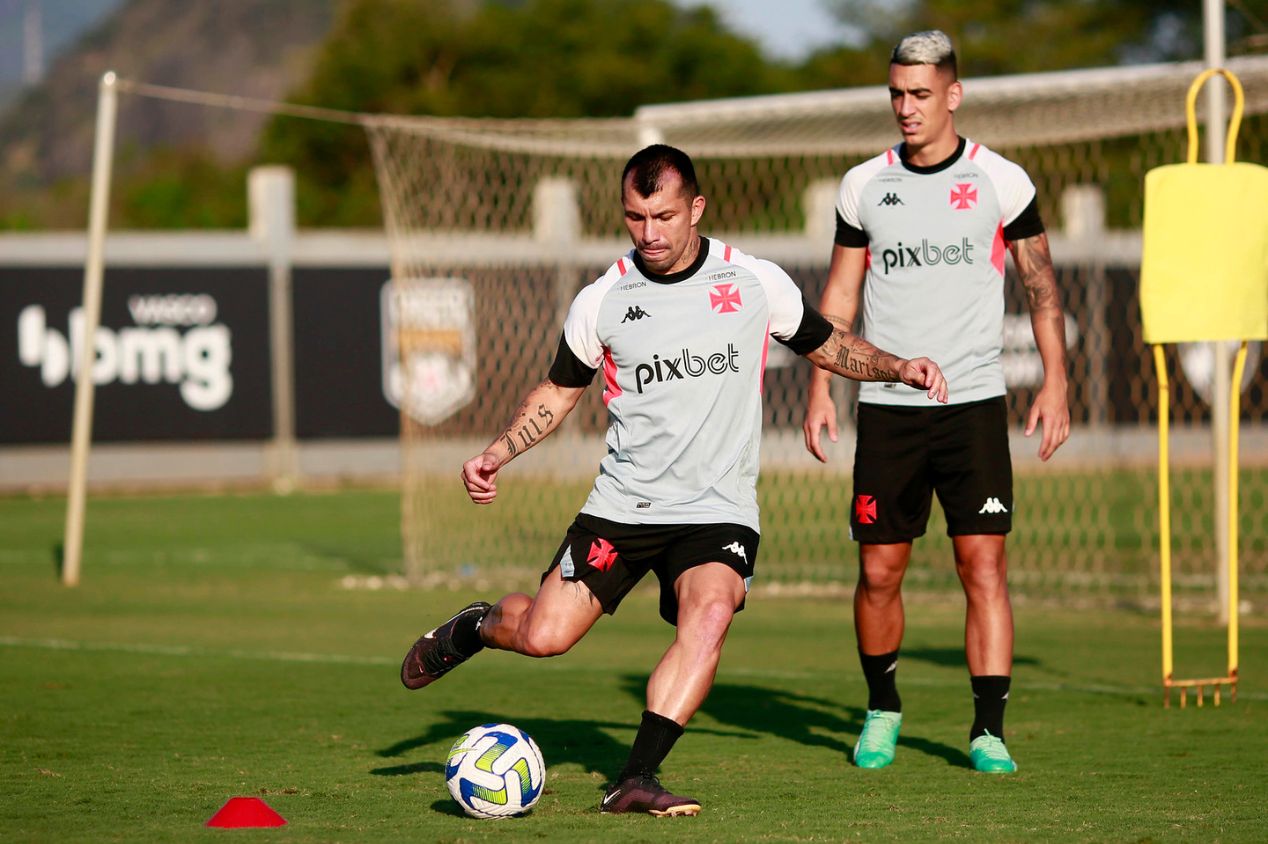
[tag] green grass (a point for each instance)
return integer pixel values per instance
(211, 651)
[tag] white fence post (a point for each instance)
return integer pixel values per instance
(271, 192)
(1083, 215)
(557, 225)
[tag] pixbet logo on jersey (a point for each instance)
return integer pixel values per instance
(685, 365)
(927, 255)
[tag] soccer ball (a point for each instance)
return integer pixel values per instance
(495, 771)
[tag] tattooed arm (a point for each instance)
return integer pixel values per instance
(850, 355)
(1047, 320)
(540, 413)
(839, 306)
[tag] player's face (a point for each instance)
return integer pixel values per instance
(663, 226)
(923, 99)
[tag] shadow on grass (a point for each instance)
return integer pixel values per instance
(580, 742)
(448, 807)
(954, 657)
(804, 719)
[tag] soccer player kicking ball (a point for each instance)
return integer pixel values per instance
(679, 328)
(926, 224)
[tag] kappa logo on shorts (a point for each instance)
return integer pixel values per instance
(992, 505)
(737, 549)
(865, 509)
(602, 555)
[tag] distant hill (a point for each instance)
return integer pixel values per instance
(254, 48)
(60, 23)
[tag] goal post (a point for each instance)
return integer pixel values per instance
(81, 430)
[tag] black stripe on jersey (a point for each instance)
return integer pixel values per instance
(812, 333)
(932, 168)
(671, 278)
(1027, 224)
(848, 235)
(568, 370)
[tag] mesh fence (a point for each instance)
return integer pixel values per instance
(495, 225)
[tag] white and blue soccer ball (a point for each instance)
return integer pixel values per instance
(495, 771)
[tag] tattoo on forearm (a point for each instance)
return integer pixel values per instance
(527, 427)
(1038, 277)
(856, 357)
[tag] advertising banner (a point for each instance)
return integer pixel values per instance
(181, 354)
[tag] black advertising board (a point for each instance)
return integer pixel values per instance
(342, 367)
(182, 354)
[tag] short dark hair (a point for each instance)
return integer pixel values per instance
(650, 164)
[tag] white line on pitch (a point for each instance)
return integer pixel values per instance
(186, 651)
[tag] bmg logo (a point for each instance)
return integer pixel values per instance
(151, 352)
(685, 365)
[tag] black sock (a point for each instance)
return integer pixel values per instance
(466, 635)
(881, 673)
(990, 695)
(656, 737)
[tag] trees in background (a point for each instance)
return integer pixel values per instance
(535, 58)
(595, 58)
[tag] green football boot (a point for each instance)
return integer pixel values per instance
(879, 739)
(990, 756)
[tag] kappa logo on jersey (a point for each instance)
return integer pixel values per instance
(992, 505)
(602, 555)
(725, 298)
(927, 255)
(737, 549)
(865, 509)
(685, 365)
(890, 199)
(634, 313)
(963, 196)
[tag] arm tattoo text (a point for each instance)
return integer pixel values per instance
(860, 358)
(527, 428)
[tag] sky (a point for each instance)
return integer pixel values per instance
(786, 29)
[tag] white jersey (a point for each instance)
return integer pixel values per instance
(936, 241)
(682, 358)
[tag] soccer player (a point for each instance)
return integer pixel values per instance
(679, 328)
(926, 225)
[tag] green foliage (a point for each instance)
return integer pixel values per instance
(540, 58)
(591, 58)
(181, 189)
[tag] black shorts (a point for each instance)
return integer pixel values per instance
(904, 454)
(611, 557)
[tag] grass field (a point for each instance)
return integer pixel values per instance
(213, 651)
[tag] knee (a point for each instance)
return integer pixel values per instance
(983, 576)
(880, 575)
(542, 641)
(706, 621)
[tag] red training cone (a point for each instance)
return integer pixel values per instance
(241, 812)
